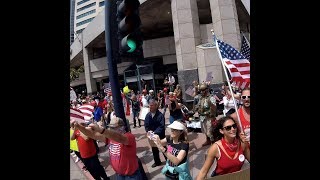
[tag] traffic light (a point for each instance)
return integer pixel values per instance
(129, 34)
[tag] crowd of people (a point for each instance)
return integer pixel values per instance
(227, 131)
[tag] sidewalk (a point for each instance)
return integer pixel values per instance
(196, 154)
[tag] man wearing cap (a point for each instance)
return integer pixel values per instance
(155, 122)
(122, 146)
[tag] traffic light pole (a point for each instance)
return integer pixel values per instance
(110, 17)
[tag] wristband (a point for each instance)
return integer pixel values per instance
(103, 131)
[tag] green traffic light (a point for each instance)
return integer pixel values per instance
(132, 45)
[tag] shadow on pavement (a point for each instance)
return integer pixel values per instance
(155, 173)
(192, 136)
(140, 136)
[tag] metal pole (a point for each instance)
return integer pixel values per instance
(124, 77)
(153, 82)
(110, 17)
(139, 79)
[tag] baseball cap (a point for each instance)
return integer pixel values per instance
(115, 122)
(177, 125)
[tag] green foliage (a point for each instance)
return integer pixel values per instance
(75, 72)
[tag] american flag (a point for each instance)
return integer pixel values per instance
(237, 64)
(77, 115)
(190, 91)
(245, 49)
(107, 88)
(87, 111)
(242, 85)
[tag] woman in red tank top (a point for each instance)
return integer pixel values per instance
(228, 150)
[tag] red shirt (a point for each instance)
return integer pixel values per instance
(86, 148)
(226, 165)
(103, 105)
(123, 158)
(244, 123)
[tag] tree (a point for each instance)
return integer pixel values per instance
(75, 72)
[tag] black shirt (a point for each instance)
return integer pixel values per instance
(174, 149)
(175, 113)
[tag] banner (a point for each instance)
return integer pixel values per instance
(143, 112)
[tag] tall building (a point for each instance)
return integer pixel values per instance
(177, 39)
(84, 12)
(72, 3)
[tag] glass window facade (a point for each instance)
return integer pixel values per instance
(101, 3)
(86, 14)
(85, 7)
(83, 1)
(85, 21)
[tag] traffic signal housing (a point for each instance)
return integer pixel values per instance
(129, 34)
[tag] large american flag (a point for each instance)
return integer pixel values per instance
(77, 115)
(245, 49)
(87, 111)
(237, 64)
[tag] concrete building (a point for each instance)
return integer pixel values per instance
(84, 12)
(177, 36)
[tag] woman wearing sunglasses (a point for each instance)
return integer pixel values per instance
(177, 166)
(228, 150)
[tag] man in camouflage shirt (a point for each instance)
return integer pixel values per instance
(206, 108)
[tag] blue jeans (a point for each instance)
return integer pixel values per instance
(171, 119)
(134, 176)
(136, 115)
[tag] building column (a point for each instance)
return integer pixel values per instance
(187, 36)
(90, 82)
(225, 21)
(226, 27)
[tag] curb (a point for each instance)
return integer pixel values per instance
(80, 165)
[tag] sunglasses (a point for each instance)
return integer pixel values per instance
(175, 130)
(228, 128)
(245, 97)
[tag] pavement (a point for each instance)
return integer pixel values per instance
(196, 155)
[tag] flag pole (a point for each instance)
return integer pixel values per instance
(225, 72)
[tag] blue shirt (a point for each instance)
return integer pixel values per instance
(97, 114)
